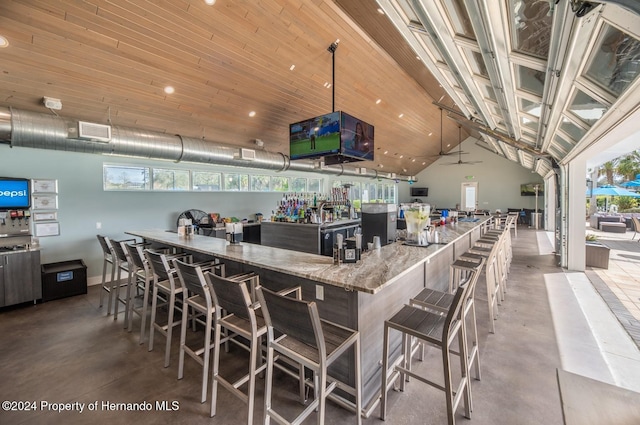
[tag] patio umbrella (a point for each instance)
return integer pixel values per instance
(632, 183)
(609, 190)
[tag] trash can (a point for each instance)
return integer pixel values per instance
(63, 279)
(536, 220)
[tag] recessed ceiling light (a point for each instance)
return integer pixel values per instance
(423, 163)
(386, 152)
(401, 156)
(292, 67)
(430, 133)
(169, 90)
(378, 101)
(401, 115)
(418, 57)
(449, 144)
(380, 165)
(380, 11)
(3, 41)
(210, 2)
(413, 160)
(252, 114)
(328, 85)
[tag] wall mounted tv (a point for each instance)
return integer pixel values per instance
(337, 136)
(420, 191)
(14, 193)
(529, 189)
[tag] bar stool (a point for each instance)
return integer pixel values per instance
(165, 282)
(238, 315)
(492, 279)
(462, 273)
(197, 296)
(141, 274)
(120, 264)
(140, 277)
(312, 342)
(107, 261)
(440, 331)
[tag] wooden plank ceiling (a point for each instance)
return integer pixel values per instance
(109, 61)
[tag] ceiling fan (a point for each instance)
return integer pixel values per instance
(442, 152)
(460, 161)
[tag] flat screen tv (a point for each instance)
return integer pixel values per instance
(14, 193)
(529, 189)
(337, 136)
(420, 191)
(315, 137)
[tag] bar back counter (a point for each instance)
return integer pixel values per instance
(359, 296)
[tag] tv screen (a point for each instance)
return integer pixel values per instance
(356, 138)
(419, 191)
(14, 193)
(529, 189)
(337, 136)
(314, 137)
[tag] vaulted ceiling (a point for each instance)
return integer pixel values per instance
(530, 84)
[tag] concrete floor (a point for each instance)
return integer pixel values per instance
(68, 351)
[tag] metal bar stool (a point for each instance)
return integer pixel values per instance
(107, 254)
(121, 264)
(142, 275)
(197, 296)
(165, 283)
(492, 279)
(440, 331)
(238, 315)
(312, 342)
(462, 273)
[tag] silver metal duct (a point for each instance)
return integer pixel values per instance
(45, 131)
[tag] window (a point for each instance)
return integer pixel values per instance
(206, 182)
(236, 182)
(125, 178)
(260, 183)
(164, 179)
(314, 185)
(299, 184)
(280, 184)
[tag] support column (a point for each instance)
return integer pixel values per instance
(575, 216)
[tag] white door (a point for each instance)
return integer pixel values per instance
(469, 196)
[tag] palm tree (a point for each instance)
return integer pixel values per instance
(608, 170)
(629, 166)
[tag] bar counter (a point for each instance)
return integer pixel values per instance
(360, 296)
(377, 269)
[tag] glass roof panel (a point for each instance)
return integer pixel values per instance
(429, 46)
(531, 108)
(530, 80)
(575, 132)
(529, 123)
(615, 60)
(561, 143)
(459, 18)
(587, 108)
(408, 11)
(477, 63)
(531, 27)
(488, 92)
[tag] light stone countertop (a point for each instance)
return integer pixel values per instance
(377, 269)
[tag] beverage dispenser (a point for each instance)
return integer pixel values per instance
(379, 220)
(15, 212)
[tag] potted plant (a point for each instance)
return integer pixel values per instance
(597, 254)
